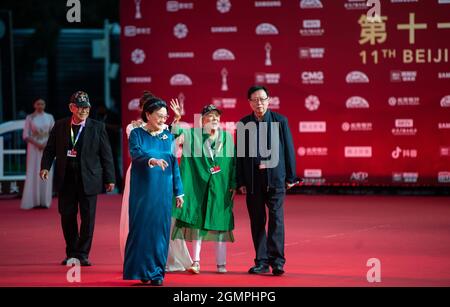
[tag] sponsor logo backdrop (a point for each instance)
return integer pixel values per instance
(367, 102)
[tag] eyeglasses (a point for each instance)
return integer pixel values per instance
(163, 117)
(256, 100)
(85, 109)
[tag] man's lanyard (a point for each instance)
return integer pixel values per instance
(214, 147)
(74, 142)
(211, 150)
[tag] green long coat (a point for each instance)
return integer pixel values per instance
(207, 197)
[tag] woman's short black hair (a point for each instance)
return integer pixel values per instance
(255, 88)
(151, 105)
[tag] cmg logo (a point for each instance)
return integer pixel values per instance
(312, 77)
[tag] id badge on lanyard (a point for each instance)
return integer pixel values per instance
(215, 169)
(72, 153)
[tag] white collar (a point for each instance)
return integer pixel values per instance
(83, 123)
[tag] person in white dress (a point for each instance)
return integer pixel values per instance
(178, 258)
(37, 193)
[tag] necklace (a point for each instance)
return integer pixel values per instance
(157, 133)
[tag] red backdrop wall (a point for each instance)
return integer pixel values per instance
(367, 102)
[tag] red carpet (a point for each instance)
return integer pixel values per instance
(328, 242)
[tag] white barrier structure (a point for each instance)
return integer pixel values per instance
(6, 128)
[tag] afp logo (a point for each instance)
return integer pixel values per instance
(359, 176)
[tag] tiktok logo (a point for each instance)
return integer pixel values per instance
(396, 153)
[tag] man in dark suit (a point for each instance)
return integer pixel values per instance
(83, 162)
(265, 170)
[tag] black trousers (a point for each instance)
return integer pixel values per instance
(72, 198)
(269, 246)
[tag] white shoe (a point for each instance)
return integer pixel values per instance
(194, 268)
(221, 268)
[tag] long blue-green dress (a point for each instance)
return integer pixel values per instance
(150, 205)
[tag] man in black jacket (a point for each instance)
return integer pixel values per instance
(83, 162)
(265, 170)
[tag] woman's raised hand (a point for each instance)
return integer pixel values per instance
(176, 108)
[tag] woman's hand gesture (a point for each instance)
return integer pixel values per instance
(179, 202)
(159, 162)
(176, 108)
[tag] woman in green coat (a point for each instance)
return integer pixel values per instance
(208, 175)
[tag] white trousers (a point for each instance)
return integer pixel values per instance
(221, 251)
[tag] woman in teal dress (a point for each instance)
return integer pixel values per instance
(155, 181)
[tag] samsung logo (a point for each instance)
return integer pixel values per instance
(444, 125)
(139, 79)
(356, 5)
(444, 75)
(231, 29)
(180, 55)
(267, 3)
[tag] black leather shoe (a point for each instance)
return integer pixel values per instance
(277, 270)
(85, 262)
(64, 262)
(157, 282)
(144, 281)
(259, 269)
